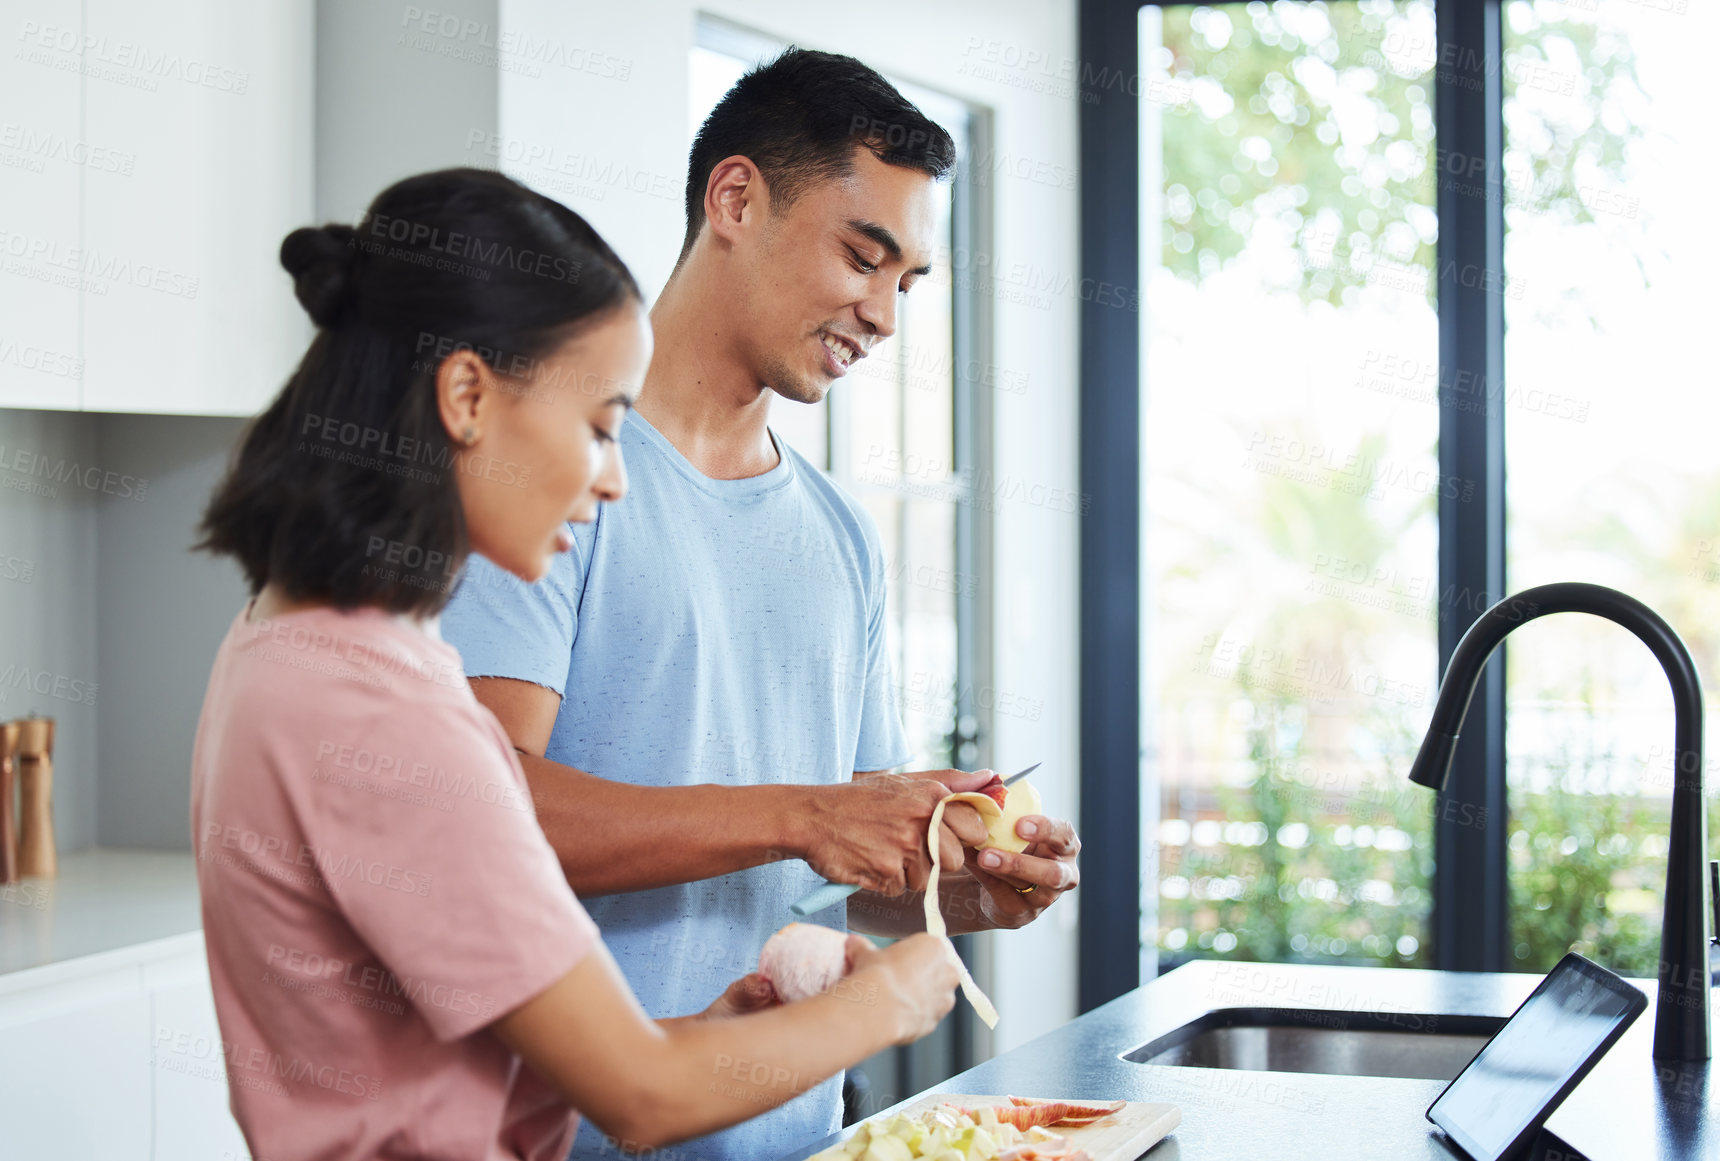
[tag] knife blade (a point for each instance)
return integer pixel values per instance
(831, 894)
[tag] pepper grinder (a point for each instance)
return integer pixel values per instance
(35, 761)
(8, 803)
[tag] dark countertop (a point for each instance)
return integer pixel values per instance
(1627, 1109)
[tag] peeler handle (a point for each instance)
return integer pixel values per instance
(819, 898)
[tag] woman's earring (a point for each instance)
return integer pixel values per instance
(469, 436)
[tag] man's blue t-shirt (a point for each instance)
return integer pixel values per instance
(703, 631)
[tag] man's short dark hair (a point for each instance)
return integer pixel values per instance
(800, 117)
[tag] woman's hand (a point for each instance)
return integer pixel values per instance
(750, 993)
(754, 993)
(649, 1082)
(915, 978)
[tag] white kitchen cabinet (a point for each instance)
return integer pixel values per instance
(185, 306)
(42, 160)
(107, 1020)
(74, 1065)
(192, 1117)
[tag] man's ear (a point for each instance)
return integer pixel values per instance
(735, 198)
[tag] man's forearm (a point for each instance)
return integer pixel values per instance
(613, 836)
(894, 917)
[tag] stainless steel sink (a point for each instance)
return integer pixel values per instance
(1398, 1044)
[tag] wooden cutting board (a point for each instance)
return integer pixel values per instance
(1122, 1136)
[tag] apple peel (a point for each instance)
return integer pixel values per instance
(934, 915)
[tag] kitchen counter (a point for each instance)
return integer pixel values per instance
(104, 900)
(1627, 1109)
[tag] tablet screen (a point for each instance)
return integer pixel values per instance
(1548, 1044)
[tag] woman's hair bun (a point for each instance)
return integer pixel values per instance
(320, 259)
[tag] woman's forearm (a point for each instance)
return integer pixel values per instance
(648, 1083)
(712, 1074)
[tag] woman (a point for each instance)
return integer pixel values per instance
(389, 933)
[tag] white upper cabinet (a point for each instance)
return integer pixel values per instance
(210, 106)
(42, 159)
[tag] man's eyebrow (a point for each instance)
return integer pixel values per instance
(620, 397)
(884, 238)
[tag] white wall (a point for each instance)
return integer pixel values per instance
(593, 110)
(107, 621)
(48, 577)
(162, 611)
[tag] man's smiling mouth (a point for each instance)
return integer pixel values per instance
(844, 351)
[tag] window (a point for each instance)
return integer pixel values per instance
(1293, 174)
(1612, 476)
(1290, 477)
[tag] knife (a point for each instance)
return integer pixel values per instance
(831, 894)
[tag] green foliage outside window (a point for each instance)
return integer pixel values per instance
(1326, 115)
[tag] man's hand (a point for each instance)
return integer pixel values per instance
(872, 831)
(1047, 866)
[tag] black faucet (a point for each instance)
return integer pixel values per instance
(1681, 1004)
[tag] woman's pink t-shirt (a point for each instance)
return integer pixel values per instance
(376, 891)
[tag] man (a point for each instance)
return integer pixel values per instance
(706, 733)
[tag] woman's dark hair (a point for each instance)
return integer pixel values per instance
(344, 489)
(800, 117)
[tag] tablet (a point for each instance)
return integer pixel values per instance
(1515, 1082)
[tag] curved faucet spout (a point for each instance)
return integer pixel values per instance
(1681, 1026)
